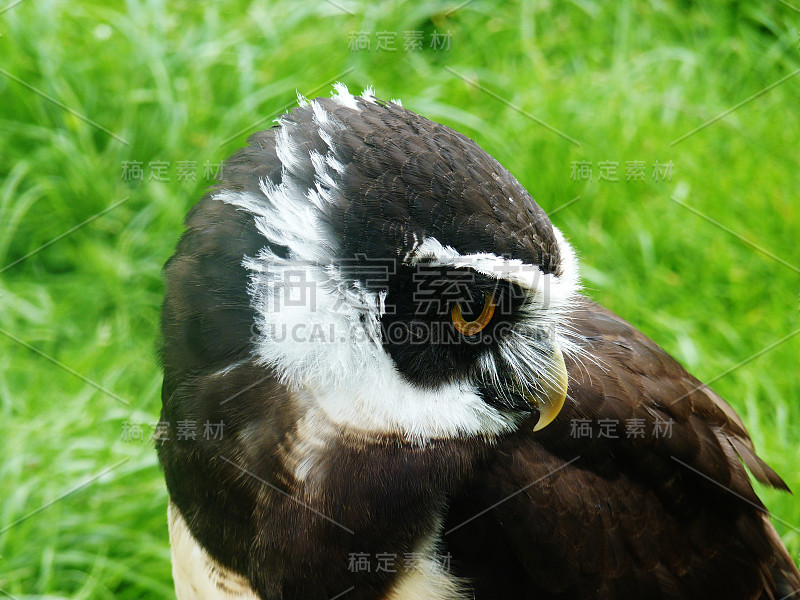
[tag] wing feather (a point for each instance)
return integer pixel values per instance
(657, 516)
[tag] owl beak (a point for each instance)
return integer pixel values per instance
(549, 397)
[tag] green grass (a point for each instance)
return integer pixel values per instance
(176, 80)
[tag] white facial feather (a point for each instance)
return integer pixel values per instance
(551, 297)
(322, 336)
(558, 292)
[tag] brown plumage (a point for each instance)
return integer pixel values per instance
(672, 516)
(638, 489)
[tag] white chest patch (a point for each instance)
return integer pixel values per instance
(428, 584)
(429, 580)
(197, 575)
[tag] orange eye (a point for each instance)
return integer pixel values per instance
(472, 327)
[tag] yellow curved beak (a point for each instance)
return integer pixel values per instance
(550, 399)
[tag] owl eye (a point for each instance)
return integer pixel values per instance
(468, 328)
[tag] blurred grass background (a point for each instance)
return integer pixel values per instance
(182, 83)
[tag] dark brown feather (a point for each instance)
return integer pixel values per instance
(653, 517)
